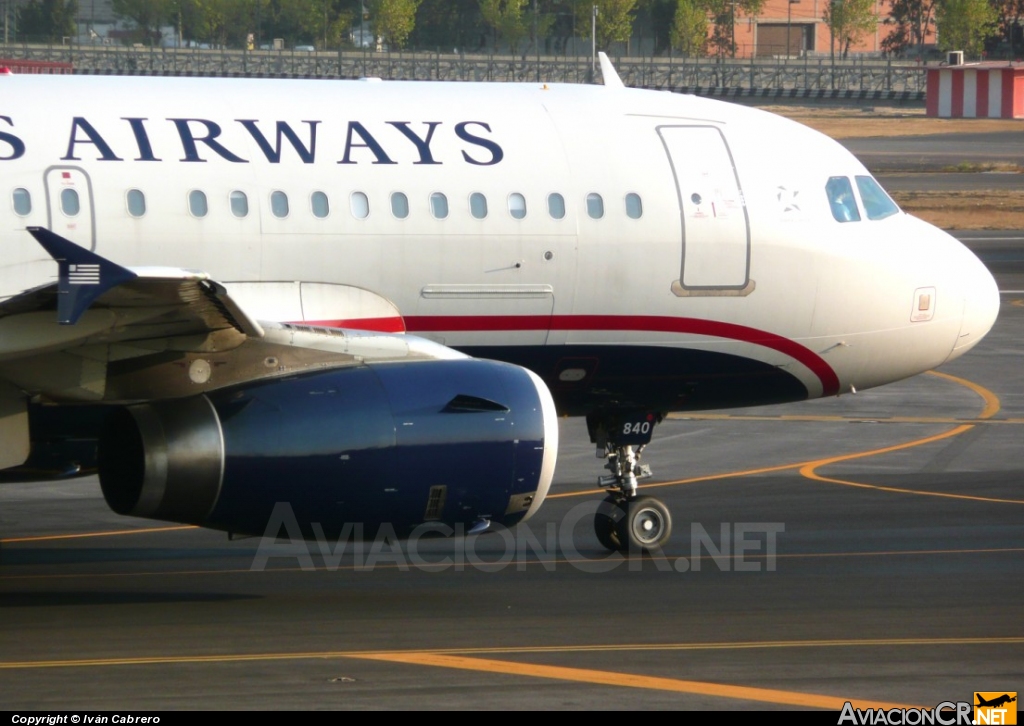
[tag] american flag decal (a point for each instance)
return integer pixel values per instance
(84, 274)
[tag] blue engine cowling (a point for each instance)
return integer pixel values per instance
(458, 442)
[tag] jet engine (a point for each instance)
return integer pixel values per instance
(458, 442)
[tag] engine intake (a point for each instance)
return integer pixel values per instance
(453, 441)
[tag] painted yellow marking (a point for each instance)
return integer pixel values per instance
(990, 409)
(807, 468)
(847, 419)
(990, 399)
(110, 533)
(511, 650)
(468, 659)
(1018, 303)
(628, 680)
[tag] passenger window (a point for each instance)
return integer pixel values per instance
(319, 204)
(840, 199)
(197, 203)
(136, 201)
(877, 204)
(69, 203)
(279, 204)
(22, 202)
(595, 206)
(517, 205)
(634, 207)
(239, 204)
(478, 205)
(400, 205)
(359, 205)
(439, 205)
(556, 206)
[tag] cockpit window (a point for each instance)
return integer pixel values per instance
(877, 204)
(840, 199)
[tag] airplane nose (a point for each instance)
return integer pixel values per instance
(981, 306)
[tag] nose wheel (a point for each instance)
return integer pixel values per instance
(625, 521)
(641, 524)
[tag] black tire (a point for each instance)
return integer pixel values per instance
(609, 513)
(647, 525)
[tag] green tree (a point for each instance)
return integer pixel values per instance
(848, 21)
(513, 20)
(49, 20)
(724, 14)
(393, 20)
(690, 27)
(508, 20)
(911, 21)
(148, 16)
(614, 20)
(965, 25)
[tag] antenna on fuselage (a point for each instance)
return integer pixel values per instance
(611, 77)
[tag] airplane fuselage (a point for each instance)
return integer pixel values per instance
(637, 250)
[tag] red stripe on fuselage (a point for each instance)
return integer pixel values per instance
(650, 323)
(377, 325)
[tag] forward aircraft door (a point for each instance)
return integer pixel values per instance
(69, 205)
(715, 228)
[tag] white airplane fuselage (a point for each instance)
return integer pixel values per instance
(710, 272)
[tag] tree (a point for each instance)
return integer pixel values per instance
(965, 25)
(911, 21)
(50, 20)
(507, 18)
(690, 27)
(723, 14)
(614, 20)
(1011, 15)
(148, 15)
(848, 21)
(393, 20)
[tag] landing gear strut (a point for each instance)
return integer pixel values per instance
(626, 522)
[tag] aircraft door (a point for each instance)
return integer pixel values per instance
(69, 205)
(713, 214)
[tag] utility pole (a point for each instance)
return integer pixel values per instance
(593, 42)
(536, 40)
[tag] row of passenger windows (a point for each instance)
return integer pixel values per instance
(359, 204)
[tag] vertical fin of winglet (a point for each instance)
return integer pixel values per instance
(611, 77)
(83, 275)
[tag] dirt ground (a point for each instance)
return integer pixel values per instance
(976, 209)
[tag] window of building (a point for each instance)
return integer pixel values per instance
(478, 205)
(517, 205)
(22, 202)
(136, 202)
(359, 205)
(595, 206)
(319, 204)
(69, 202)
(399, 205)
(634, 207)
(279, 204)
(439, 205)
(239, 204)
(840, 199)
(877, 204)
(556, 205)
(197, 203)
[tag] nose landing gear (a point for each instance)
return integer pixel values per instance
(626, 522)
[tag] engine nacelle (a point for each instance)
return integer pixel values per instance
(458, 442)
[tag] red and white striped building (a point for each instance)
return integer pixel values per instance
(980, 90)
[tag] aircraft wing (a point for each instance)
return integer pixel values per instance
(107, 334)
